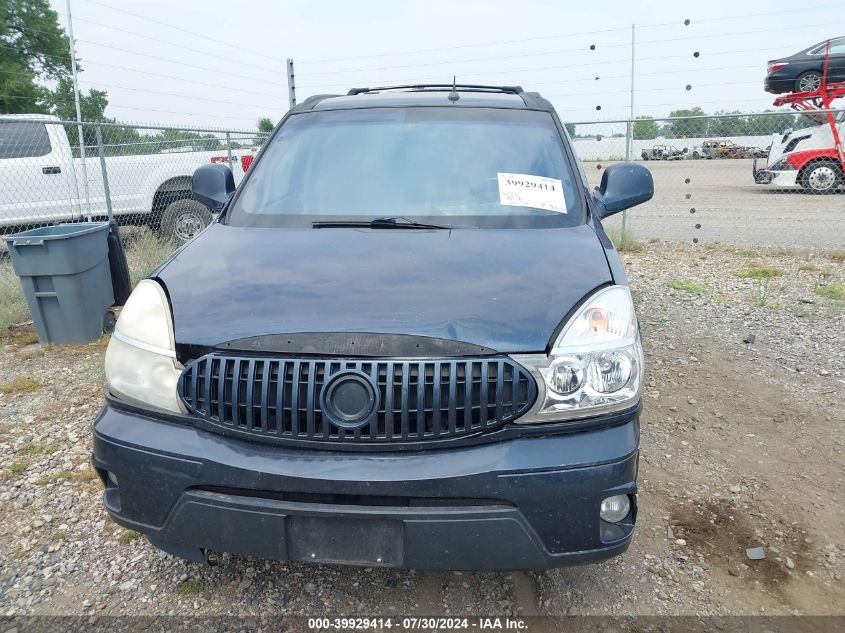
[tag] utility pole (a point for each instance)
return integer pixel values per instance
(291, 84)
(78, 112)
(629, 134)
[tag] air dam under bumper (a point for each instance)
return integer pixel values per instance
(526, 503)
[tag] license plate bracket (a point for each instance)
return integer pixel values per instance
(374, 542)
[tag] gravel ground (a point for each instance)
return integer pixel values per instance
(741, 447)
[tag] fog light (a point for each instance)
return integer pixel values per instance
(113, 478)
(614, 509)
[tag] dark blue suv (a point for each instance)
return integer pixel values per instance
(405, 342)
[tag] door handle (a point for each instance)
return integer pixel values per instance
(51, 170)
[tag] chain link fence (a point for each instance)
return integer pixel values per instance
(713, 176)
(139, 175)
(713, 180)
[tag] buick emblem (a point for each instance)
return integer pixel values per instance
(349, 399)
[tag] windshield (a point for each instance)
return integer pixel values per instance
(452, 166)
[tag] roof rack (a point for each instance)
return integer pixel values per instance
(514, 90)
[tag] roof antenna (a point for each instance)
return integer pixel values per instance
(454, 96)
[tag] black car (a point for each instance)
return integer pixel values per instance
(802, 72)
(406, 341)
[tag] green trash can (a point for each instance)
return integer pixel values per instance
(64, 271)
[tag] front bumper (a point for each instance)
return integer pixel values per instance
(525, 503)
(777, 179)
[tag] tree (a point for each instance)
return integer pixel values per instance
(686, 127)
(763, 124)
(727, 125)
(265, 126)
(33, 47)
(570, 129)
(645, 128)
(92, 106)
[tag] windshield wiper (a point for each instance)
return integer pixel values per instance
(377, 223)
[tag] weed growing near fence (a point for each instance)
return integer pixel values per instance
(145, 250)
(12, 302)
(624, 242)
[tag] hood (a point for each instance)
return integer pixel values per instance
(506, 290)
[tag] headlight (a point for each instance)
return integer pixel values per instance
(595, 365)
(141, 365)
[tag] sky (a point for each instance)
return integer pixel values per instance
(222, 63)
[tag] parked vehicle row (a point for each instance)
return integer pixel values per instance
(723, 148)
(663, 152)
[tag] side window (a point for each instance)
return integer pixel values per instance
(837, 47)
(23, 139)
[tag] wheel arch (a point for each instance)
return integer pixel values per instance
(172, 189)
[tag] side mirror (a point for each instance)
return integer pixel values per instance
(623, 186)
(213, 185)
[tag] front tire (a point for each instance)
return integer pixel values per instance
(821, 178)
(184, 219)
(808, 81)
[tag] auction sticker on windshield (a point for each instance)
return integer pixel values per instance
(524, 190)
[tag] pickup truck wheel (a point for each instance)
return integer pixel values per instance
(821, 177)
(184, 219)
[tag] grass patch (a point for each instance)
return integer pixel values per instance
(19, 336)
(145, 252)
(624, 243)
(17, 467)
(23, 384)
(82, 476)
(836, 256)
(33, 449)
(190, 587)
(128, 536)
(747, 252)
(687, 285)
(832, 291)
(759, 272)
(809, 268)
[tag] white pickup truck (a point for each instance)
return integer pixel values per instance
(41, 182)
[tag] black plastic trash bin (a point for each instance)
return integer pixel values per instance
(64, 271)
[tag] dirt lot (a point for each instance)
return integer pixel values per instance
(741, 447)
(730, 208)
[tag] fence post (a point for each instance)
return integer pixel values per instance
(102, 151)
(629, 132)
(291, 84)
(229, 149)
